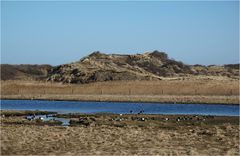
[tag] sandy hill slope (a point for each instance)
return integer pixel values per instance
(102, 67)
(148, 66)
(109, 67)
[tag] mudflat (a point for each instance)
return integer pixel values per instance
(111, 134)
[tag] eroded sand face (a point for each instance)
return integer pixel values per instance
(181, 140)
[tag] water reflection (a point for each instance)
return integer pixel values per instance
(65, 122)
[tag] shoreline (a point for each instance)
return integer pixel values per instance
(172, 103)
(125, 135)
(160, 99)
(69, 114)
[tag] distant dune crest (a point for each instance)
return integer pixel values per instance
(109, 67)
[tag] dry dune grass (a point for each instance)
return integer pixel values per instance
(165, 87)
(153, 91)
(200, 135)
(107, 140)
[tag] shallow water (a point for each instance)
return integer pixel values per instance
(120, 107)
(65, 121)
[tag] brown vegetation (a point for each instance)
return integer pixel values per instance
(8, 113)
(107, 135)
(99, 67)
(24, 72)
(148, 77)
(192, 90)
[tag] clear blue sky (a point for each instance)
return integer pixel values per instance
(62, 32)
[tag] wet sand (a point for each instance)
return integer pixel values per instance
(107, 135)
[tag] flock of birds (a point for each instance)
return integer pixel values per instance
(34, 117)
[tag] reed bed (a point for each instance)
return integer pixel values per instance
(187, 91)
